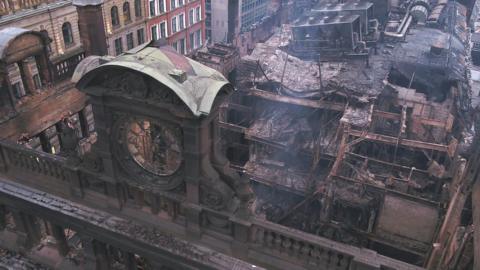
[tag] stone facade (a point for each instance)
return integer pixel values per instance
(49, 18)
(126, 28)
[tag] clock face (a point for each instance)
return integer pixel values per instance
(154, 147)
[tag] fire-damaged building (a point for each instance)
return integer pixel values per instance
(347, 140)
(361, 135)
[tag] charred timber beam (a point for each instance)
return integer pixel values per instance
(425, 121)
(386, 162)
(324, 156)
(232, 127)
(450, 149)
(273, 184)
(352, 181)
(318, 104)
(238, 107)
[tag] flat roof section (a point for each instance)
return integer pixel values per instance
(317, 20)
(335, 7)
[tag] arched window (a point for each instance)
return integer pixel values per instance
(138, 8)
(114, 14)
(126, 12)
(67, 34)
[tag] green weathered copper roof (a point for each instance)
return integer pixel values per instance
(163, 64)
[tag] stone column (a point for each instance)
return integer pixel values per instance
(26, 229)
(130, 263)
(90, 262)
(91, 26)
(3, 217)
(44, 71)
(59, 235)
(192, 157)
(8, 95)
(102, 256)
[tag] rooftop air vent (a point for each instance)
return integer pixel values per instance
(179, 75)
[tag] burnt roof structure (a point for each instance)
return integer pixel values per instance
(359, 146)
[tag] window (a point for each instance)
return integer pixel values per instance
(77, 125)
(130, 41)
(198, 14)
(86, 120)
(138, 8)
(118, 46)
(37, 81)
(162, 6)
(192, 40)
(208, 35)
(49, 140)
(67, 34)
(163, 30)
(140, 36)
(191, 20)
(151, 7)
(182, 46)
(198, 38)
(181, 21)
(180, 3)
(114, 14)
(18, 90)
(173, 4)
(175, 46)
(126, 12)
(154, 31)
(174, 24)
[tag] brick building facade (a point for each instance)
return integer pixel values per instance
(180, 22)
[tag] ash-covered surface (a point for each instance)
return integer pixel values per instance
(301, 77)
(283, 126)
(120, 228)
(10, 260)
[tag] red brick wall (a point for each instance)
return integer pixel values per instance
(167, 17)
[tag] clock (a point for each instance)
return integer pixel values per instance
(149, 150)
(154, 147)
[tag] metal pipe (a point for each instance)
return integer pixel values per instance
(403, 30)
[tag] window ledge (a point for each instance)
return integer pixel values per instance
(69, 45)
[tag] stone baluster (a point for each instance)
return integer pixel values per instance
(296, 248)
(89, 259)
(3, 217)
(59, 235)
(287, 246)
(269, 239)
(259, 235)
(26, 228)
(277, 242)
(130, 262)
(305, 250)
(102, 256)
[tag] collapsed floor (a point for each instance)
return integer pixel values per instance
(369, 150)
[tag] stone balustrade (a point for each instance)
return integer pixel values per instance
(253, 240)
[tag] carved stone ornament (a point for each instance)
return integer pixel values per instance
(135, 85)
(92, 162)
(150, 152)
